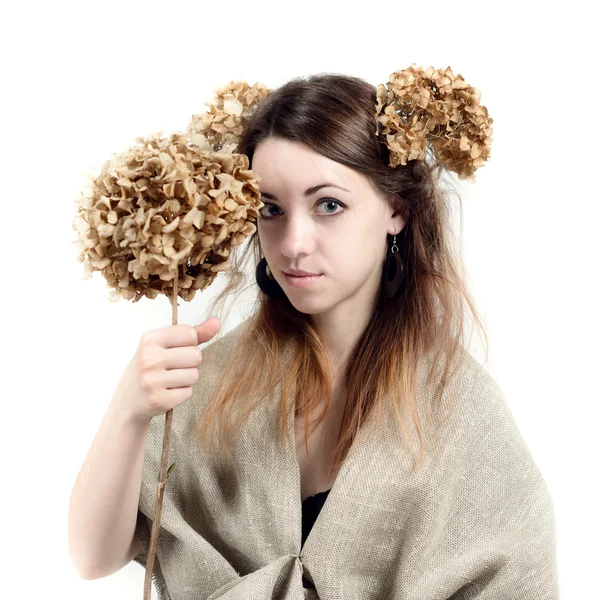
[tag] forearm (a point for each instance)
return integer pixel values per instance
(104, 499)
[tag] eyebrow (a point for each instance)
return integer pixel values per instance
(309, 192)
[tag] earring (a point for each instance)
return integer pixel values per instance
(393, 271)
(266, 282)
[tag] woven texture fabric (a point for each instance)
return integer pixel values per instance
(311, 507)
(476, 521)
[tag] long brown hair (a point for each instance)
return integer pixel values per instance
(334, 115)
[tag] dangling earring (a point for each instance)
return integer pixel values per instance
(393, 271)
(266, 282)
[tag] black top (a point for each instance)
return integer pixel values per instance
(311, 507)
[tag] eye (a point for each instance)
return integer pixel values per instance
(328, 202)
(266, 207)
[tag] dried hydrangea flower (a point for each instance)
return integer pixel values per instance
(435, 106)
(164, 207)
(220, 128)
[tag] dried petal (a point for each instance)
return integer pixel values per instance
(219, 128)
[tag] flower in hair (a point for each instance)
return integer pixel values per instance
(220, 128)
(435, 106)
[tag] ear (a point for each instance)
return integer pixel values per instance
(397, 220)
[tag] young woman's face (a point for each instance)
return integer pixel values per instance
(338, 233)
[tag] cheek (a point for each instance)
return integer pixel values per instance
(265, 238)
(359, 254)
(346, 256)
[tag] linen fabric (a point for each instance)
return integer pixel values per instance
(476, 521)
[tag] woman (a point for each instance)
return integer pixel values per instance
(359, 328)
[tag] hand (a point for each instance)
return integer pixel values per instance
(163, 369)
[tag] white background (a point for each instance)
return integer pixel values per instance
(80, 80)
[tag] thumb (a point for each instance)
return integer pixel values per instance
(207, 330)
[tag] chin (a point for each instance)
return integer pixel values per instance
(306, 306)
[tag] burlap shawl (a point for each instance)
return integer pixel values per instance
(476, 521)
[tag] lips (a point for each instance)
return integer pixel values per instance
(301, 281)
(299, 273)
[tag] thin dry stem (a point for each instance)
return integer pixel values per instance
(160, 489)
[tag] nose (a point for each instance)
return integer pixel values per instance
(298, 238)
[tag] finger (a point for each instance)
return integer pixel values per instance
(205, 331)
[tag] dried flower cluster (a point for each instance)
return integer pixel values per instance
(163, 207)
(220, 128)
(435, 106)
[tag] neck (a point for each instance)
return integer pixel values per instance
(341, 331)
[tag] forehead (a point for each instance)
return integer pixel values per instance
(285, 164)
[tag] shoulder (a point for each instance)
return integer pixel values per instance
(492, 443)
(485, 391)
(485, 403)
(471, 400)
(476, 421)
